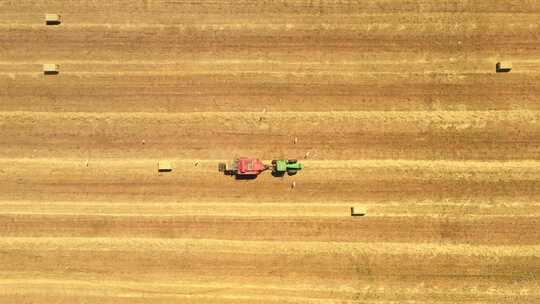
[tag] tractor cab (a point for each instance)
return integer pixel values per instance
(282, 166)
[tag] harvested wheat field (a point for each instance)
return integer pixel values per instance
(393, 106)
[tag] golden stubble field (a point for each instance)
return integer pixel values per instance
(397, 103)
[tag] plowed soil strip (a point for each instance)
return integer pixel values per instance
(503, 230)
(261, 247)
(502, 135)
(352, 89)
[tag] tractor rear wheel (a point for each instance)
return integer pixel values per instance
(274, 162)
(291, 172)
(292, 161)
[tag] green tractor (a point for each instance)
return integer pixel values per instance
(291, 167)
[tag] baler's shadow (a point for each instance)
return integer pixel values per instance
(245, 177)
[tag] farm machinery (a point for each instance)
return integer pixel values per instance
(246, 167)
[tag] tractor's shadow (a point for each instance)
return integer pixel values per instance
(278, 174)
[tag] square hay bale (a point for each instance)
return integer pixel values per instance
(51, 69)
(357, 211)
(503, 67)
(53, 19)
(164, 166)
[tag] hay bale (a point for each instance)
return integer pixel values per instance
(503, 67)
(356, 211)
(164, 166)
(51, 69)
(53, 19)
